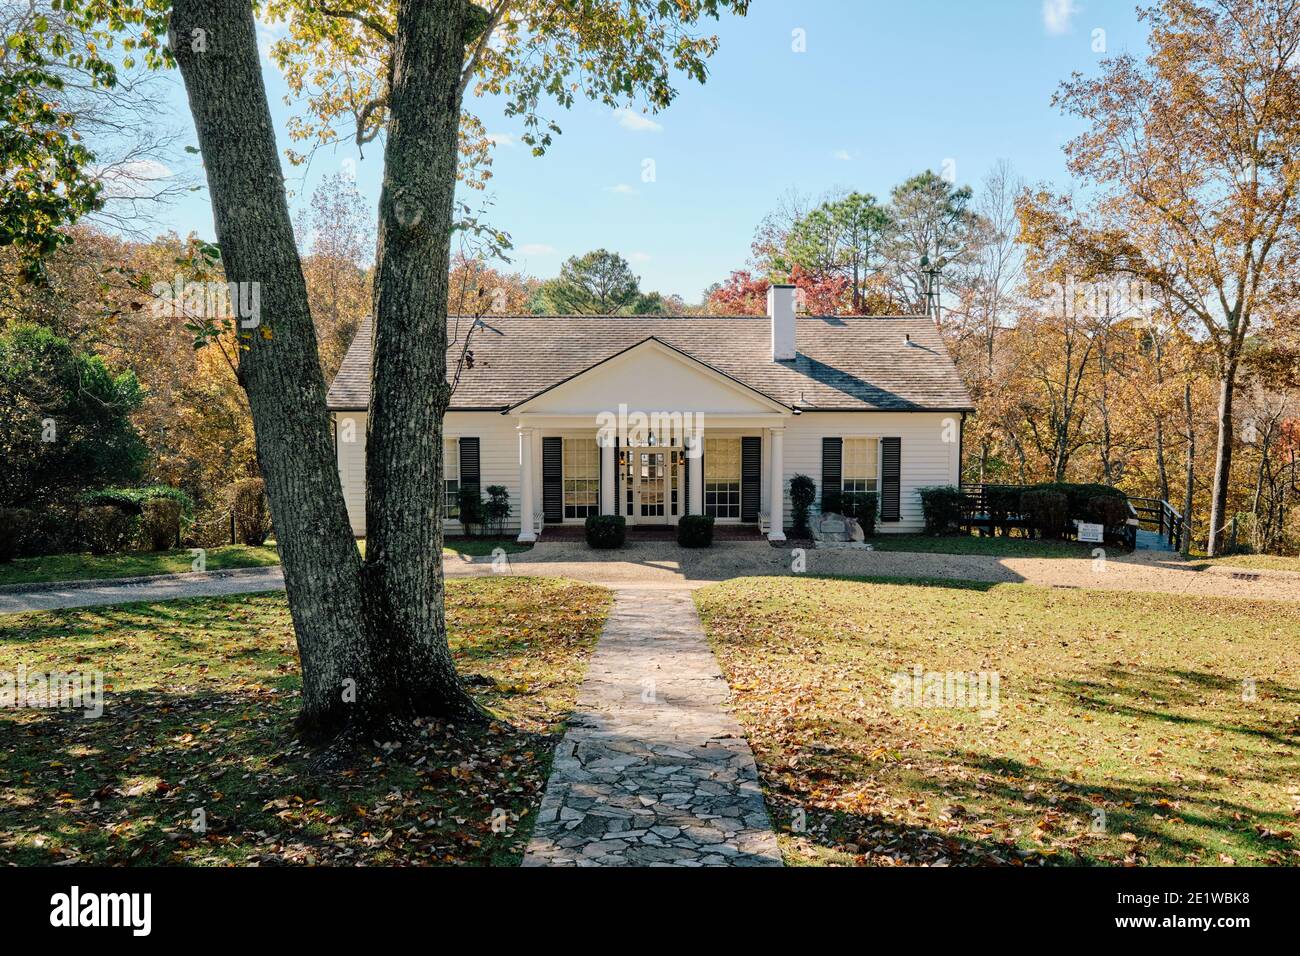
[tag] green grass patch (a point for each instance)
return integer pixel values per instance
(80, 567)
(201, 695)
(1000, 547)
(1251, 562)
(1130, 728)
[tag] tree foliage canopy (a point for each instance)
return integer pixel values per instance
(64, 418)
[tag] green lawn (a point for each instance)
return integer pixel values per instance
(200, 699)
(70, 567)
(1251, 562)
(973, 544)
(1121, 711)
(81, 567)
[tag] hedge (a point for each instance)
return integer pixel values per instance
(941, 506)
(1047, 511)
(133, 500)
(252, 513)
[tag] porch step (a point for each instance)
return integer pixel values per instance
(721, 532)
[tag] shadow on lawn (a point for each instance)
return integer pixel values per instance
(1154, 693)
(1168, 821)
(124, 788)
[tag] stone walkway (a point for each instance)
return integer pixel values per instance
(653, 770)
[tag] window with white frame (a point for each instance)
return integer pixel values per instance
(451, 476)
(722, 477)
(581, 477)
(859, 467)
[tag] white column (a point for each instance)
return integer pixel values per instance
(695, 470)
(526, 496)
(776, 487)
(608, 465)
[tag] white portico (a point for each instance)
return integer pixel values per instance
(652, 434)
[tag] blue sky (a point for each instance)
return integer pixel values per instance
(881, 91)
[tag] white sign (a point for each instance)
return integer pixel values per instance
(1091, 532)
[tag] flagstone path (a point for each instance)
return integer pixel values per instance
(654, 770)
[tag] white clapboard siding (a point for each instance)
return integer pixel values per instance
(498, 449)
(926, 458)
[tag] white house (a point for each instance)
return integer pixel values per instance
(857, 404)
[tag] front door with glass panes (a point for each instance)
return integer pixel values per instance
(654, 479)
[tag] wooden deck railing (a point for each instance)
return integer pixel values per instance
(1165, 518)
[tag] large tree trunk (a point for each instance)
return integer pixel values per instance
(373, 645)
(1222, 459)
(216, 46)
(404, 490)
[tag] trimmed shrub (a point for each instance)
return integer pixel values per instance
(16, 525)
(1048, 512)
(1003, 502)
(252, 513)
(862, 505)
(941, 505)
(1079, 495)
(803, 491)
(54, 530)
(605, 531)
(104, 529)
(695, 531)
(496, 510)
(470, 502)
(1109, 512)
(161, 523)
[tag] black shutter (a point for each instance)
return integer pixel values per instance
(686, 484)
(751, 477)
(891, 468)
(469, 463)
(618, 474)
(832, 467)
(553, 480)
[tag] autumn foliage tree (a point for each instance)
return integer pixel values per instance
(1194, 156)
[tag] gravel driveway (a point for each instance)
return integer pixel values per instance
(663, 564)
(660, 564)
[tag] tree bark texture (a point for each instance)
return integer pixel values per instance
(409, 392)
(372, 640)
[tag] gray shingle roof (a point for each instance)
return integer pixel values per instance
(843, 364)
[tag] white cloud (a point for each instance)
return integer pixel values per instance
(536, 249)
(1057, 15)
(842, 154)
(640, 257)
(135, 179)
(502, 139)
(637, 122)
(622, 189)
